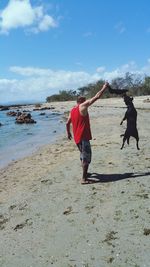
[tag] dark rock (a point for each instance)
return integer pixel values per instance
(25, 118)
(13, 113)
(3, 108)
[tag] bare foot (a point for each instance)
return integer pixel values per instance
(83, 181)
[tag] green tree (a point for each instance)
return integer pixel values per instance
(63, 95)
(135, 84)
(146, 86)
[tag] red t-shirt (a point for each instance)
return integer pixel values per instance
(80, 126)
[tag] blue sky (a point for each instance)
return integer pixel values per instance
(47, 46)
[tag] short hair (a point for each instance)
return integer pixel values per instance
(81, 99)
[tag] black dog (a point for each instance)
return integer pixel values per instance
(131, 117)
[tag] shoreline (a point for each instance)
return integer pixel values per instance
(20, 141)
(48, 218)
(31, 151)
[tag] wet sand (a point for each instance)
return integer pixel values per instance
(47, 218)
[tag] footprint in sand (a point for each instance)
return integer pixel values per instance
(110, 237)
(27, 222)
(89, 209)
(68, 211)
(21, 206)
(3, 221)
(46, 181)
(146, 231)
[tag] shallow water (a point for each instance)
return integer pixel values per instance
(19, 140)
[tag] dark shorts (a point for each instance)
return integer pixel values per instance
(85, 151)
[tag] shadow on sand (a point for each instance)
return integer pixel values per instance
(105, 178)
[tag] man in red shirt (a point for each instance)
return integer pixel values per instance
(79, 118)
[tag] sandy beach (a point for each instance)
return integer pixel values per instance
(47, 218)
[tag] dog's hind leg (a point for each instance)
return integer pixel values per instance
(137, 139)
(122, 146)
(137, 143)
(124, 139)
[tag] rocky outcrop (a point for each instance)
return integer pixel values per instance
(13, 113)
(25, 118)
(2, 108)
(21, 117)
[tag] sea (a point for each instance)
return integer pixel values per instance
(20, 140)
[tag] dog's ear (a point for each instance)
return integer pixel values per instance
(128, 99)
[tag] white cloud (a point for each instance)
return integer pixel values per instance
(30, 71)
(38, 83)
(46, 23)
(20, 14)
(56, 79)
(146, 68)
(100, 69)
(120, 28)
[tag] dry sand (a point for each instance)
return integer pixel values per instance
(47, 218)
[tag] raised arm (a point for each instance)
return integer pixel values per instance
(89, 102)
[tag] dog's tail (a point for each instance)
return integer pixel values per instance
(121, 135)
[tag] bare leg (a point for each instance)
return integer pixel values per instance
(85, 167)
(85, 152)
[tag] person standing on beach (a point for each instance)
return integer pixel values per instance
(79, 118)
